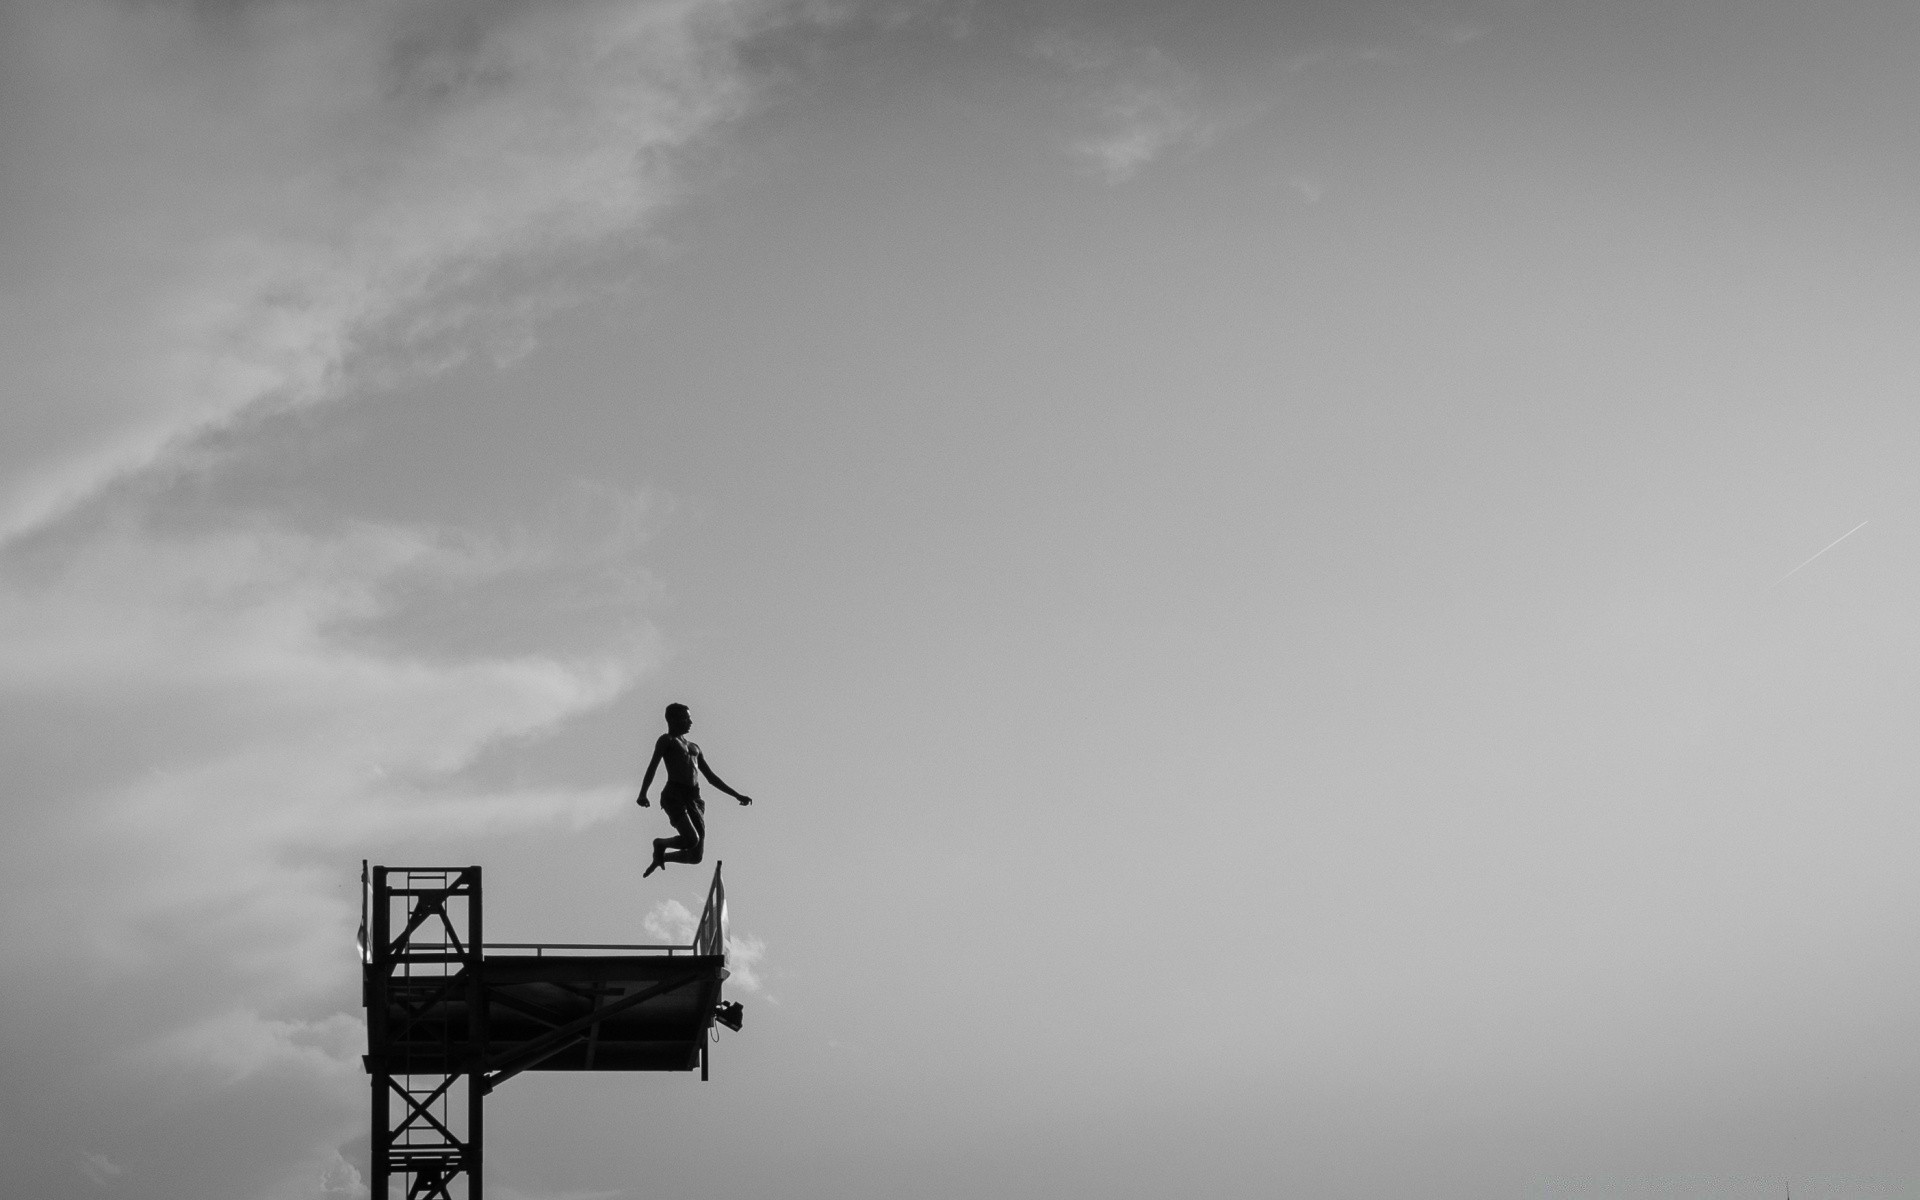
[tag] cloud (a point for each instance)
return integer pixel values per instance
(1144, 81)
(1309, 188)
(202, 726)
(241, 696)
(219, 209)
(744, 954)
(673, 923)
(239, 1044)
(100, 1170)
(1140, 101)
(334, 1178)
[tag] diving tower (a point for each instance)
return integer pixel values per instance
(450, 1016)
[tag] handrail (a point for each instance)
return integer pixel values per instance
(587, 946)
(539, 948)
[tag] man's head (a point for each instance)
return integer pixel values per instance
(679, 720)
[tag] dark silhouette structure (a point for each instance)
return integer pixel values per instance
(450, 1017)
(680, 796)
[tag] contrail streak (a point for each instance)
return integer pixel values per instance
(1830, 545)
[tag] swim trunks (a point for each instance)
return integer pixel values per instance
(682, 795)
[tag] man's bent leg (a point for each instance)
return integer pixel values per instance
(689, 821)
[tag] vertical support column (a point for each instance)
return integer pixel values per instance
(476, 1035)
(377, 965)
(426, 1021)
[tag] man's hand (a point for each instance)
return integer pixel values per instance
(642, 801)
(744, 800)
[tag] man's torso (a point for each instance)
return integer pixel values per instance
(682, 759)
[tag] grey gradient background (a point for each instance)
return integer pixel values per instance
(1247, 552)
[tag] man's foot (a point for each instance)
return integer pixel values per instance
(659, 848)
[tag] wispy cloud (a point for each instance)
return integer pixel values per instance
(266, 189)
(197, 726)
(100, 1170)
(1140, 102)
(261, 653)
(1141, 89)
(238, 1044)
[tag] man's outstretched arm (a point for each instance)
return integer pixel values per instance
(647, 782)
(716, 781)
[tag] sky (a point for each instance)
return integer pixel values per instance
(1311, 595)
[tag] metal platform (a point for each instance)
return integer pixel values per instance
(627, 1013)
(443, 1005)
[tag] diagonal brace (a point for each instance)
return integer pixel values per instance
(538, 1012)
(427, 906)
(420, 1109)
(434, 904)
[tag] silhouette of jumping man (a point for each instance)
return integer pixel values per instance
(680, 795)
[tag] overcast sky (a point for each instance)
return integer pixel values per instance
(1271, 568)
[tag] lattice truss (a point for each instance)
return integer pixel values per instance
(426, 1030)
